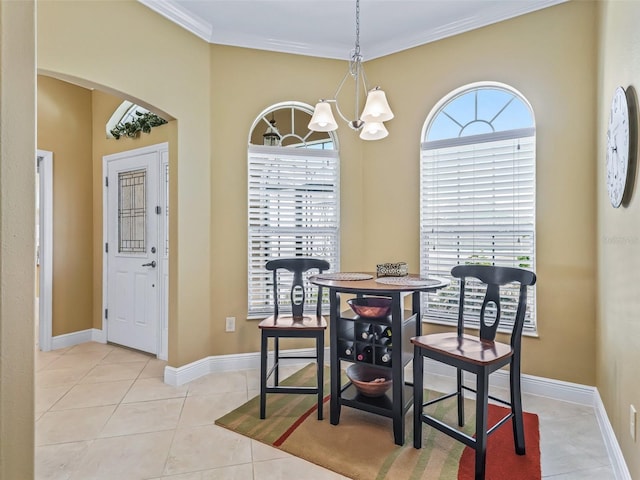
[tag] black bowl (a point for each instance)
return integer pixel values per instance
(370, 307)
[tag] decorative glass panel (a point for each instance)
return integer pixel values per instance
(132, 211)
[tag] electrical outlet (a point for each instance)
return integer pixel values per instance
(632, 422)
(231, 324)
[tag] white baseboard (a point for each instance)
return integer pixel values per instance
(620, 469)
(226, 363)
(75, 338)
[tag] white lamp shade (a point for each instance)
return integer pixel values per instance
(376, 109)
(373, 131)
(322, 119)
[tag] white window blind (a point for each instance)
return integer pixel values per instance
(477, 207)
(293, 211)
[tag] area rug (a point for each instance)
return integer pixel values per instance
(361, 446)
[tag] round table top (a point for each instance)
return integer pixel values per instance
(368, 283)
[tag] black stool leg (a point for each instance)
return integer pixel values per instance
(417, 397)
(516, 407)
(320, 376)
(482, 407)
(460, 398)
(263, 374)
(276, 359)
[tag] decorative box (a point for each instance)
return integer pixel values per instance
(398, 269)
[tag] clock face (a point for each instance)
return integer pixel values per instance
(618, 147)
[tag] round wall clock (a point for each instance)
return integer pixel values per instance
(618, 147)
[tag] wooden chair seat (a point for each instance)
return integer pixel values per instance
(466, 347)
(310, 322)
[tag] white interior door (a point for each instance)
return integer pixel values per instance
(133, 250)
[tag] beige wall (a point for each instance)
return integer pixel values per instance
(17, 237)
(618, 237)
(548, 56)
(64, 128)
(554, 70)
(168, 71)
(380, 186)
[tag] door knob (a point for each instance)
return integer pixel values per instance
(150, 264)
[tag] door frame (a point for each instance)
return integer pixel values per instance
(163, 323)
(44, 161)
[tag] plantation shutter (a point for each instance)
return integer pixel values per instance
(477, 207)
(293, 211)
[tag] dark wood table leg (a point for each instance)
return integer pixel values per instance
(397, 369)
(334, 405)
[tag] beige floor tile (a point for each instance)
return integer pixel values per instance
(143, 417)
(131, 457)
(44, 359)
(58, 462)
(217, 383)
(262, 452)
(292, 467)
(114, 371)
(205, 409)
(153, 388)
(154, 368)
(206, 447)
(122, 355)
(93, 395)
(46, 397)
(88, 347)
(234, 472)
(87, 359)
(61, 376)
(71, 425)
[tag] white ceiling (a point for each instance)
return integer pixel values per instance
(326, 28)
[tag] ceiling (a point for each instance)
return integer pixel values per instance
(326, 28)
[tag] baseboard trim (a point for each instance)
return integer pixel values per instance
(620, 469)
(227, 363)
(75, 338)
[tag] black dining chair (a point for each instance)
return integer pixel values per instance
(297, 324)
(480, 355)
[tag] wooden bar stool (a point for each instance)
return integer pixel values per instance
(294, 325)
(480, 355)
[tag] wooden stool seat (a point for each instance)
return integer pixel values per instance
(310, 322)
(466, 347)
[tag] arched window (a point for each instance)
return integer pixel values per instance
(124, 113)
(294, 196)
(477, 195)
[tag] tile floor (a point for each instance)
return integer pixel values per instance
(103, 412)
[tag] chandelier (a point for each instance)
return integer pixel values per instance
(376, 109)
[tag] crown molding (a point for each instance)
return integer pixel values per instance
(172, 10)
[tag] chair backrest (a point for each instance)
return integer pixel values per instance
(297, 266)
(495, 277)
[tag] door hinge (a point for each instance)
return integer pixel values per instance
(106, 313)
(106, 247)
(106, 181)
(158, 210)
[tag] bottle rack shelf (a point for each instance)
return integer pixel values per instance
(371, 340)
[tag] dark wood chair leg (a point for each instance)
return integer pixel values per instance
(417, 397)
(276, 359)
(320, 375)
(482, 407)
(263, 374)
(516, 407)
(460, 397)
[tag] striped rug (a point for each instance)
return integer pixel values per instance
(361, 447)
